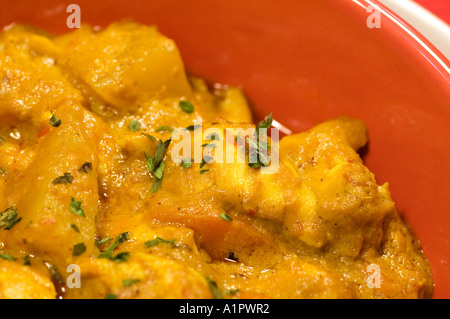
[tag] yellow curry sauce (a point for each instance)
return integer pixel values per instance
(81, 117)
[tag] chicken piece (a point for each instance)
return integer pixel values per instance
(288, 279)
(121, 68)
(339, 202)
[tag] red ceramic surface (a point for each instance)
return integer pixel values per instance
(309, 61)
(440, 8)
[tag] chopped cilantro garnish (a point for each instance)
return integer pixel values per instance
(209, 145)
(186, 163)
(158, 240)
(257, 158)
(75, 228)
(8, 218)
(155, 186)
(213, 137)
(232, 292)
(206, 160)
(108, 253)
(161, 150)
(149, 136)
(75, 207)
(78, 249)
(203, 171)
(164, 128)
(134, 126)
(187, 106)
(7, 257)
(159, 171)
(155, 164)
(121, 257)
(193, 127)
(54, 121)
(67, 178)
(99, 242)
(265, 124)
(226, 217)
(214, 288)
(86, 168)
(26, 260)
(129, 282)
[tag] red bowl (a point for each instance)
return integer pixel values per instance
(309, 61)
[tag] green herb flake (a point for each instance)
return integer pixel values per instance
(209, 145)
(265, 124)
(129, 282)
(86, 168)
(206, 160)
(203, 171)
(232, 292)
(157, 241)
(78, 249)
(193, 127)
(155, 165)
(99, 242)
(8, 218)
(257, 158)
(186, 163)
(149, 136)
(75, 228)
(213, 137)
(119, 239)
(150, 161)
(67, 178)
(226, 217)
(120, 257)
(75, 207)
(187, 106)
(214, 288)
(161, 150)
(159, 171)
(26, 260)
(7, 257)
(54, 121)
(111, 296)
(156, 185)
(164, 128)
(134, 126)
(2, 171)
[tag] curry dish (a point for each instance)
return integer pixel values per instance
(92, 204)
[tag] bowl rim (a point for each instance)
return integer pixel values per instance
(412, 19)
(425, 22)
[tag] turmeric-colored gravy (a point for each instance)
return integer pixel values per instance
(92, 204)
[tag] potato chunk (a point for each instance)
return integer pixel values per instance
(22, 282)
(143, 276)
(44, 203)
(121, 67)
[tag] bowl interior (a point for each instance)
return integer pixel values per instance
(309, 61)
